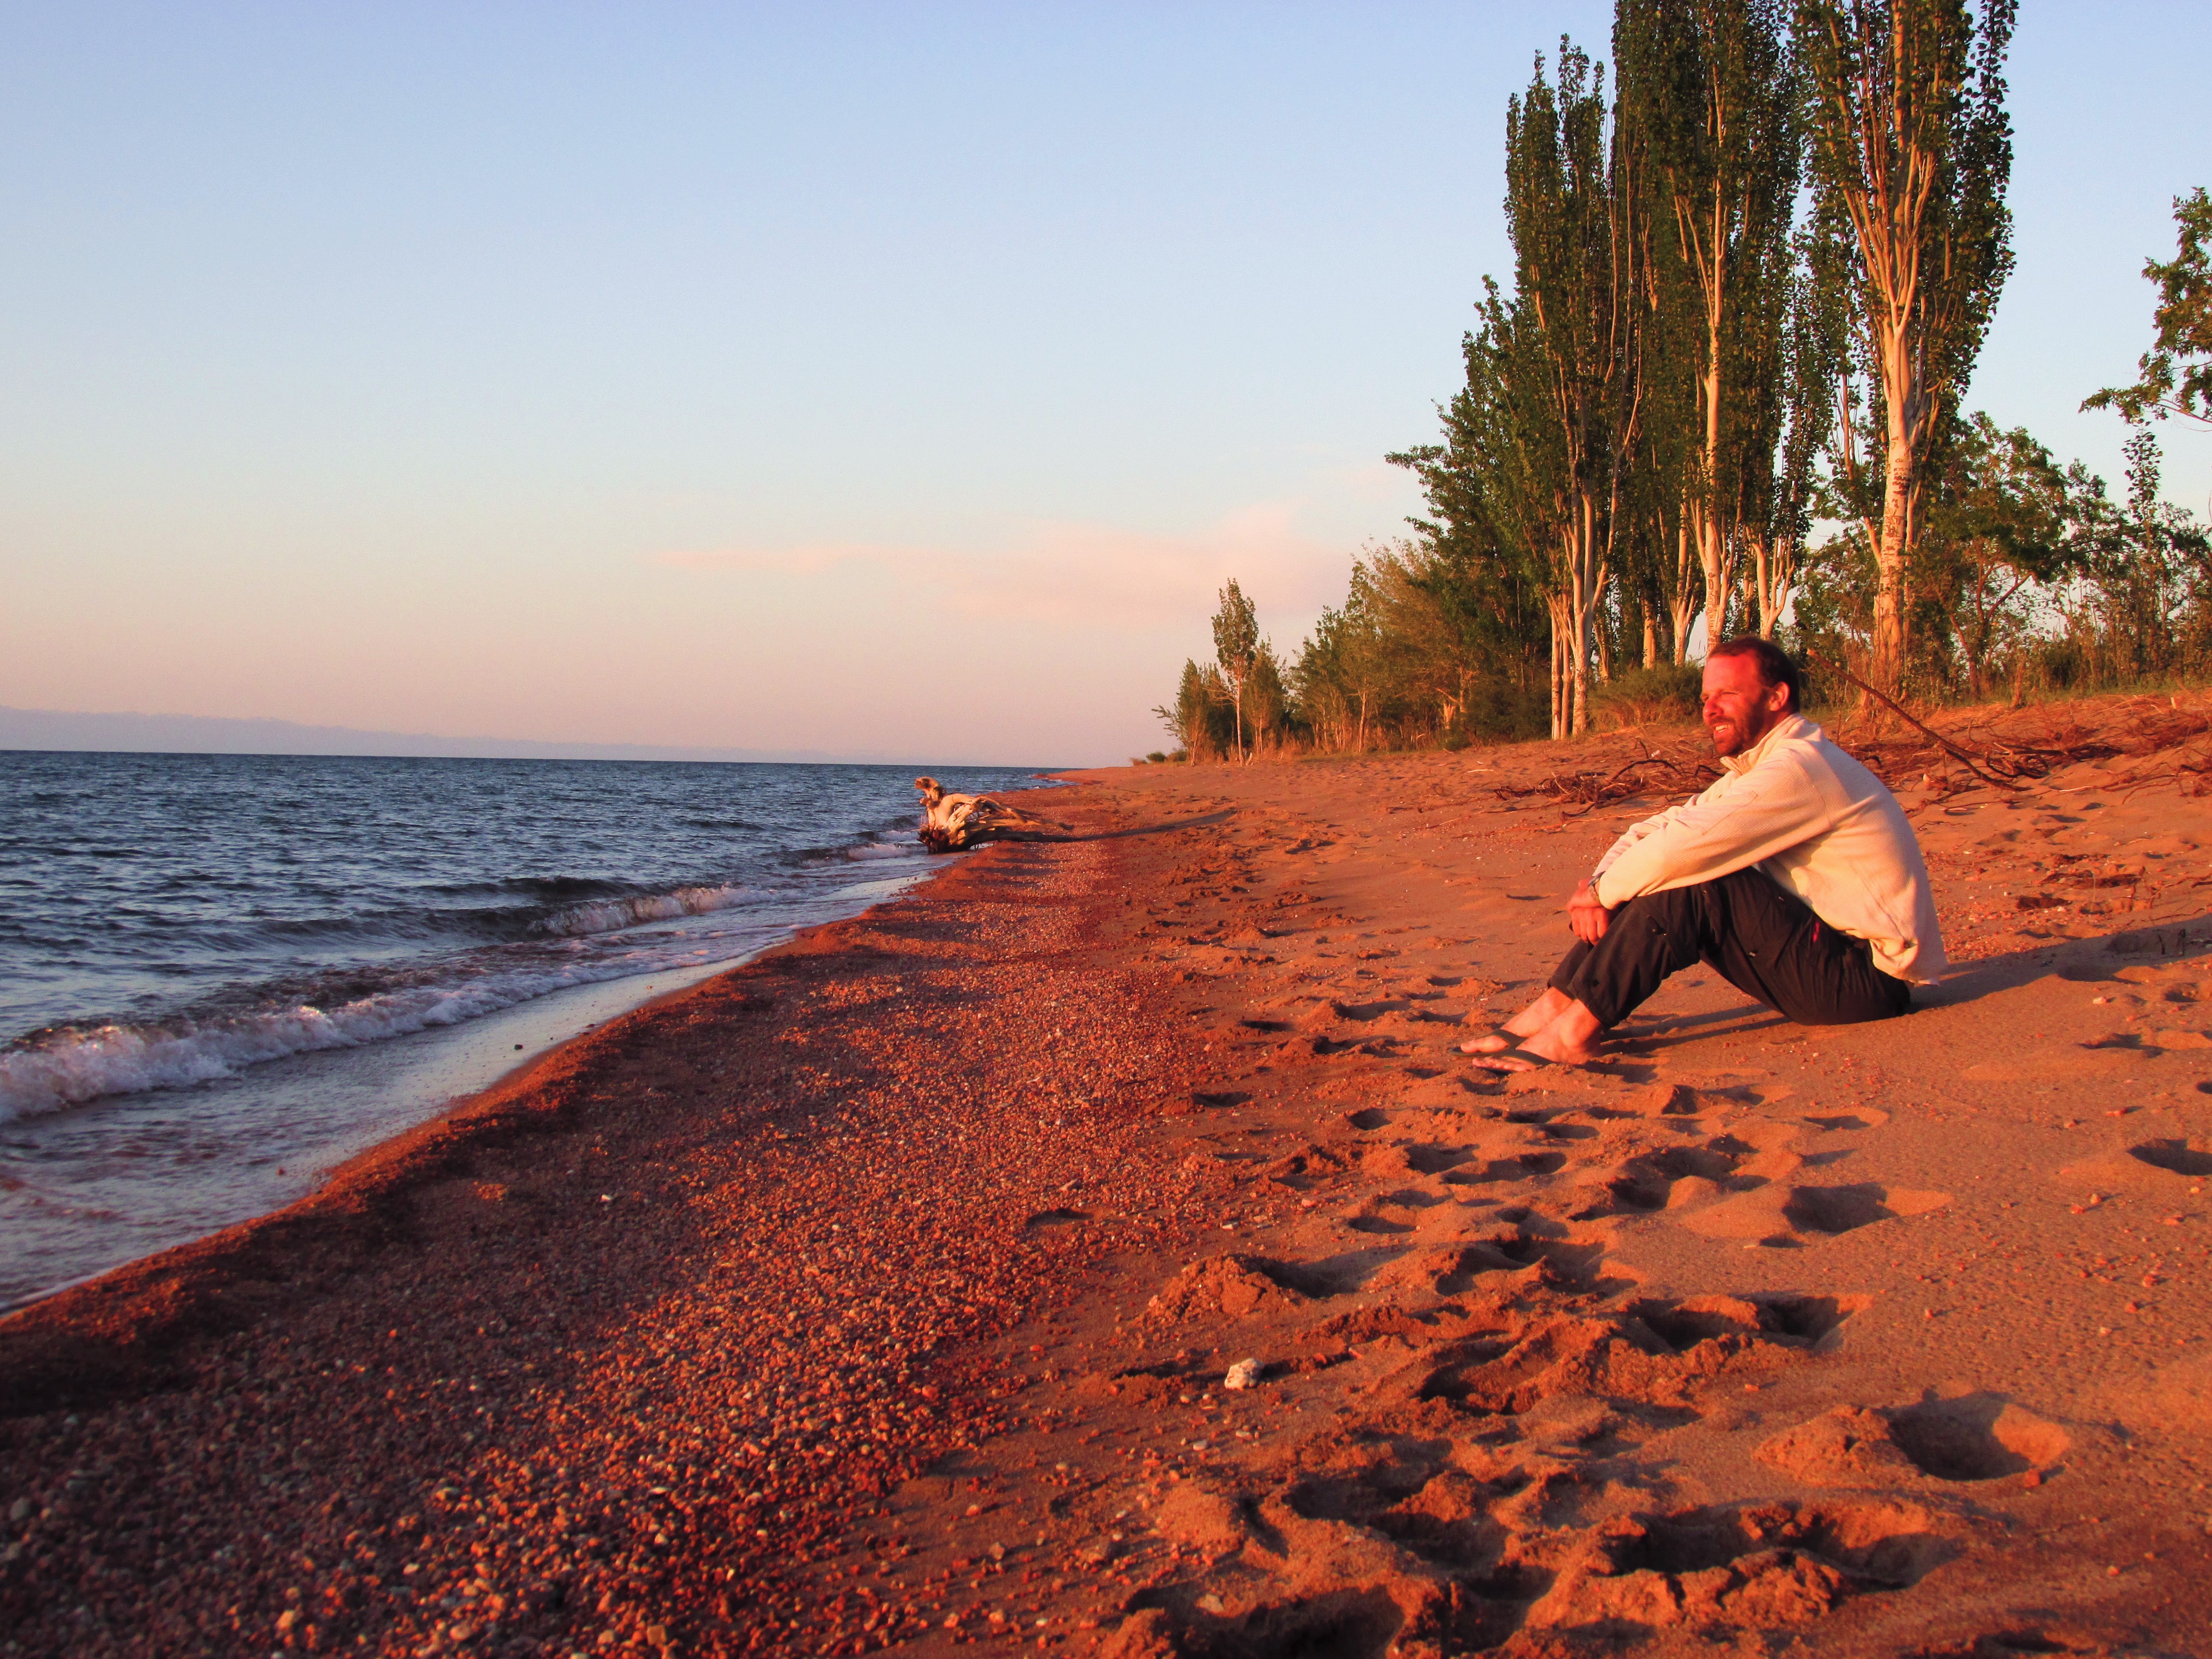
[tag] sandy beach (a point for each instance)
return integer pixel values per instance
(887, 1291)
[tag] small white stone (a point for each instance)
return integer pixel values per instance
(1244, 1374)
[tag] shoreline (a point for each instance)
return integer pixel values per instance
(403, 1092)
(314, 1111)
(884, 1291)
(150, 1295)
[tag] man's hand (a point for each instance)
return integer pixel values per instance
(1586, 916)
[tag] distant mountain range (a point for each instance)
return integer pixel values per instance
(200, 734)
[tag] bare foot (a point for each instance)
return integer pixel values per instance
(1569, 1040)
(1534, 1018)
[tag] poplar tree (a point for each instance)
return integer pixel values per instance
(1910, 146)
(1709, 86)
(1810, 372)
(1563, 337)
(1666, 455)
(1236, 646)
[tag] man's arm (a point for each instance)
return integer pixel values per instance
(1766, 811)
(1586, 914)
(1636, 832)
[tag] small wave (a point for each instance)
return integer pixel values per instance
(539, 887)
(68, 1067)
(876, 850)
(608, 915)
(605, 908)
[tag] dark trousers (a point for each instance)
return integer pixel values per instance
(1766, 942)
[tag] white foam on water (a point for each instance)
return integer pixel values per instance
(72, 1067)
(608, 915)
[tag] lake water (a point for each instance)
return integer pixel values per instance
(220, 974)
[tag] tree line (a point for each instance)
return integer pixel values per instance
(1722, 393)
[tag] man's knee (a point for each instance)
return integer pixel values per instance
(1675, 911)
(1670, 901)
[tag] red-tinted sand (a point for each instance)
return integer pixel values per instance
(885, 1291)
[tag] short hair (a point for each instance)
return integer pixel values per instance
(1775, 667)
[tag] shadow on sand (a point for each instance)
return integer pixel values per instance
(2081, 960)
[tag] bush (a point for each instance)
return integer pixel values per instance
(1667, 696)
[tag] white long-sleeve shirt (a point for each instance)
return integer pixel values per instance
(1813, 820)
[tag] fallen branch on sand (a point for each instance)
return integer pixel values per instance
(2151, 740)
(2015, 747)
(2012, 778)
(1582, 792)
(951, 822)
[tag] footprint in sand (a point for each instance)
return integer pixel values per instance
(1976, 1436)
(2191, 1158)
(1787, 1215)
(1380, 1530)
(2147, 1164)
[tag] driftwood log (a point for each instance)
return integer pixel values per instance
(951, 822)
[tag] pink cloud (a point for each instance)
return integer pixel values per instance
(1079, 573)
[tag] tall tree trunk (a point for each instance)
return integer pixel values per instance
(1715, 547)
(1900, 514)
(1562, 608)
(1682, 602)
(1762, 575)
(1651, 639)
(1774, 575)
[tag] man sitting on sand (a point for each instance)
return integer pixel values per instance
(1795, 875)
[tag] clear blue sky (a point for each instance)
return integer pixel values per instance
(893, 378)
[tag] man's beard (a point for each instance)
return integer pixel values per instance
(1745, 735)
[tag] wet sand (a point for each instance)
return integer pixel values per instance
(886, 1291)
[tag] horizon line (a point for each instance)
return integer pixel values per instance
(55, 731)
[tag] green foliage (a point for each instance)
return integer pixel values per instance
(1236, 646)
(1690, 413)
(2003, 527)
(1199, 718)
(2143, 606)
(2174, 377)
(2029, 572)
(1667, 695)
(1267, 700)
(1408, 660)
(1911, 159)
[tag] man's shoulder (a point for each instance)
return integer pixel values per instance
(1830, 766)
